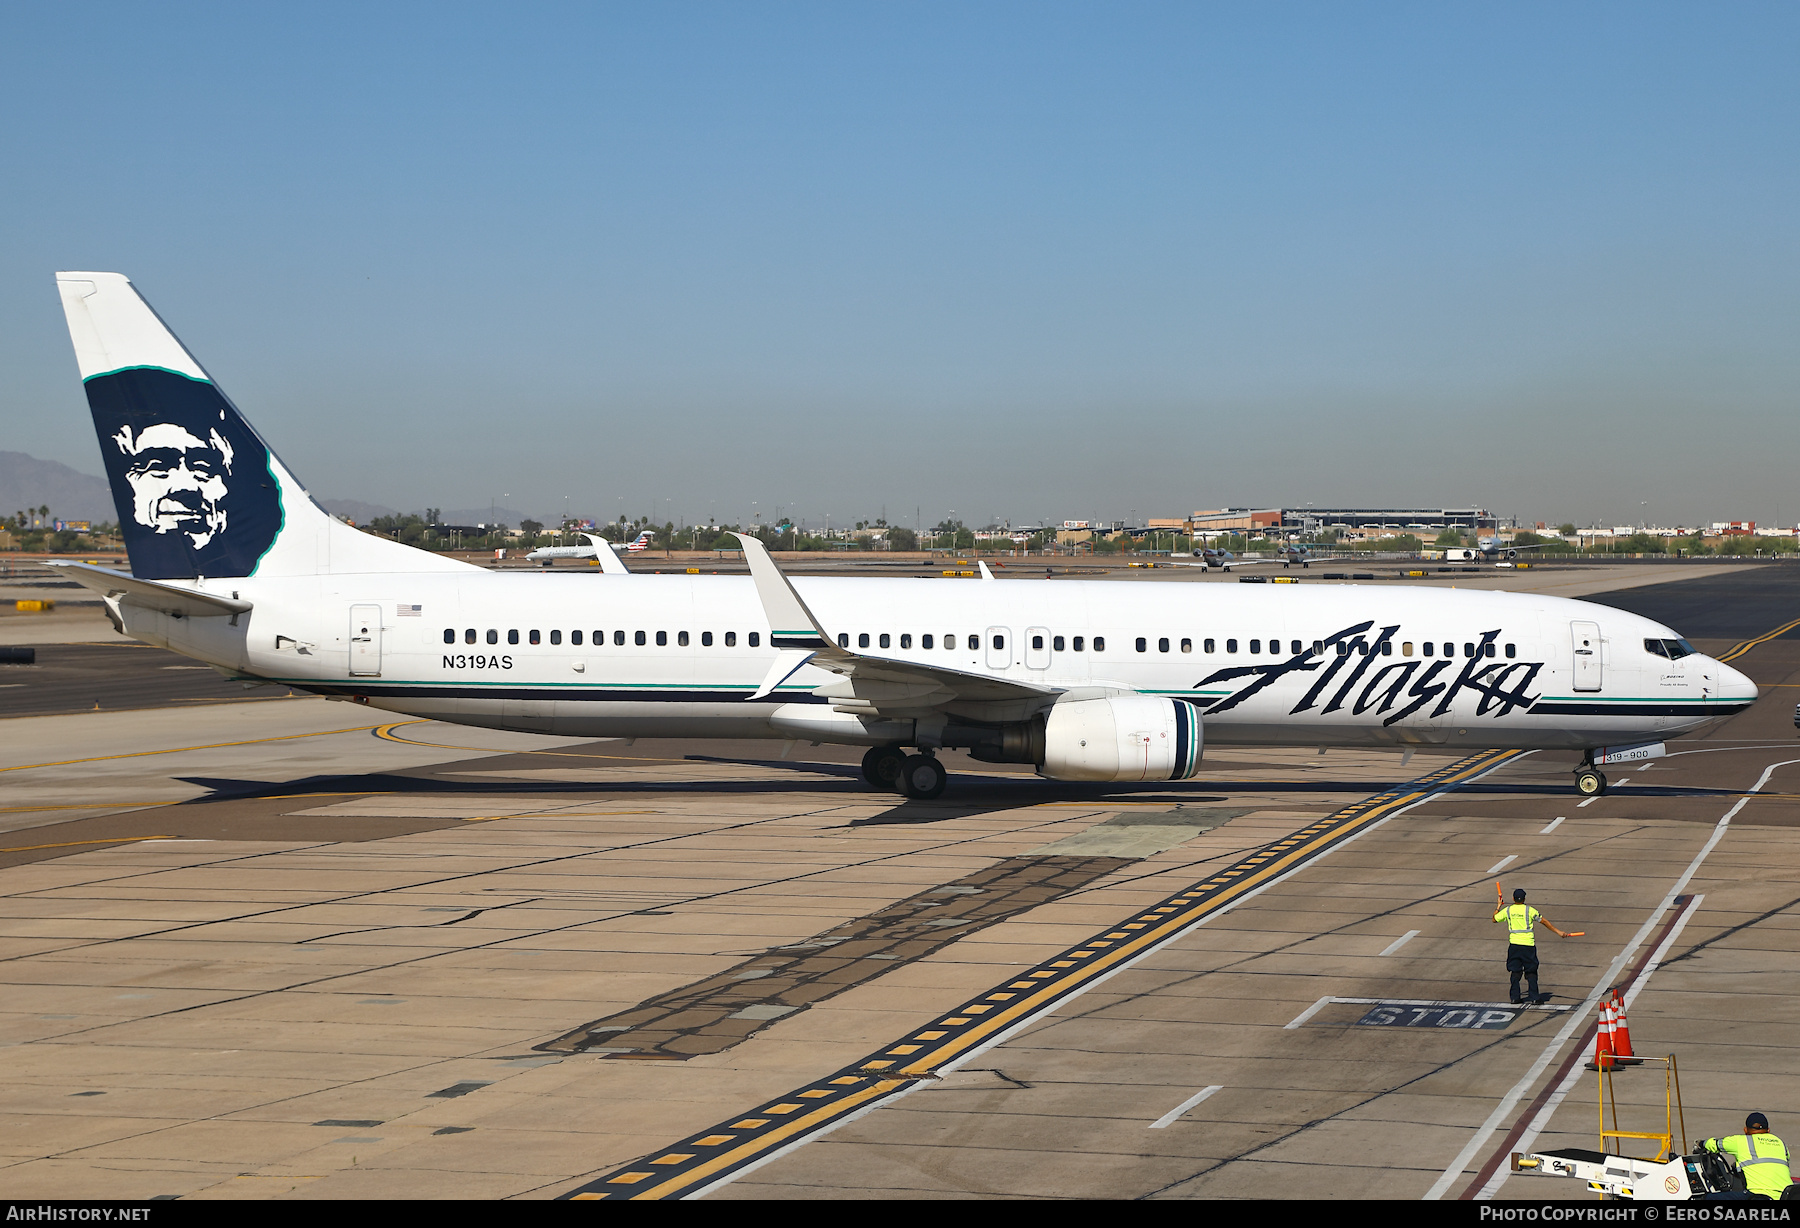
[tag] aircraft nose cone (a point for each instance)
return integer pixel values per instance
(1735, 685)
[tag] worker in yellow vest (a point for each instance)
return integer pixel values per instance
(1521, 921)
(1762, 1156)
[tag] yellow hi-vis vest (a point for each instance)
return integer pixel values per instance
(1521, 924)
(1763, 1157)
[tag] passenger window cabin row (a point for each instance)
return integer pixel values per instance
(752, 639)
(1165, 644)
(1361, 647)
(928, 640)
(1078, 643)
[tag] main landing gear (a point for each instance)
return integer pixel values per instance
(920, 777)
(881, 766)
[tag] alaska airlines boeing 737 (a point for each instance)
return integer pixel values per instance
(233, 564)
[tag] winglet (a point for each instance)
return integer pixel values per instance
(610, 563)
(985, 573)
(791, 624)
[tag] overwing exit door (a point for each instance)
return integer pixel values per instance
(365, 641)
(1585, 639)
(999, 651)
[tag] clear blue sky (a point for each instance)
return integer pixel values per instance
(1024, 261)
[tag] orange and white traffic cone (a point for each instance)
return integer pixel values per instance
(1603, 1039)
(1622, 1034)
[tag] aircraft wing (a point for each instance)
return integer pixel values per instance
(168, 598)
(871, 685)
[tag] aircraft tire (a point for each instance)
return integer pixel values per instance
(922, 778)
(881, 766)
(1590, 783)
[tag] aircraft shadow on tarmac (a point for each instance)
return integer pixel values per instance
(970, 788)
(974, 793)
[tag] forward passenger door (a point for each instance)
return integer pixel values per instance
(1585, 639)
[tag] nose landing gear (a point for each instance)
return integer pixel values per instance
(1589, 781)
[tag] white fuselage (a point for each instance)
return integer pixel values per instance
(540, 652)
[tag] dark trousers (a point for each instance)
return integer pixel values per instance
(1522, 961)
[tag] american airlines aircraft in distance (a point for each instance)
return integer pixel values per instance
(598, 548)
(233, 564)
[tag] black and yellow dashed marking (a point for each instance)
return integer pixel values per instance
(697, 1162)
(1764, 638)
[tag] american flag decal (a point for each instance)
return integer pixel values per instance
(409, 611)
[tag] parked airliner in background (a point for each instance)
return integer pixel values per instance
(233, 564)
(1225, 560)
(1489, 549)
(598, 548)
(1289, 555)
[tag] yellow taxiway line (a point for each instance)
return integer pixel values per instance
(176, 750)
(69, 844)
(1747, 645)
(691, 1166)
(386, 733)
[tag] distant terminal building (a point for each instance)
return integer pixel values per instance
(1237, 520)
(1352, 521)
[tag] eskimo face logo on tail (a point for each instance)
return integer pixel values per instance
(178, 482)
(191, 480)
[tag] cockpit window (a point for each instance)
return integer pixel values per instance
(1655, 648)
(1672, 649)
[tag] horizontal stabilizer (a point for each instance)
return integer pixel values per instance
(165, 598)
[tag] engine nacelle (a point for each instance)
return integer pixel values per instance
(1124, 737)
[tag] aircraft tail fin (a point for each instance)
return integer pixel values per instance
(198, 492)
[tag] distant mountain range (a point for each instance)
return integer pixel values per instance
(27, 482)
(355, 510)
(362, 513)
